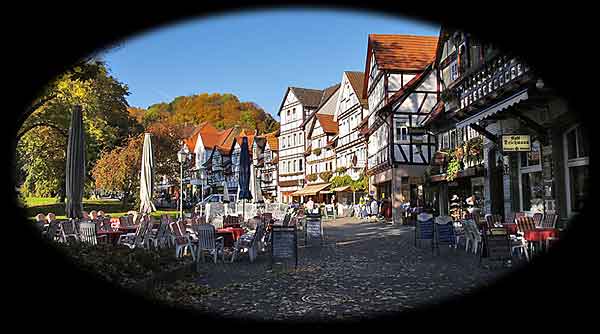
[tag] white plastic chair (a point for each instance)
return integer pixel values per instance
(87, 233)
(208, 242)
(472, 236)
(181, 240)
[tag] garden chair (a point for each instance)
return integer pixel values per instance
(537, 219)
(137, 239)
(493, 220)
(424, 228)
(444, 231)
(207, 243)
(88, 233)
(161, 237)
(249, 243)
(68, 230)
(524, 224)
(472, 236)
(549, 220)
(181, 240)
(53, 231)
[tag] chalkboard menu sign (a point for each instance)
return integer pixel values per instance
(313, 229)
(497, 244)
(284, 245)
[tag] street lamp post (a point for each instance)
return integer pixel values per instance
(181, 157)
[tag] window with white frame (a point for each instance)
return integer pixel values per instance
(531, 182)
(577, 150)
(401, 126)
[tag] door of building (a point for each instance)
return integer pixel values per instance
(496, 182)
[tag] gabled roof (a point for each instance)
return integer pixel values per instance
(327, 123)
(205, 129)
(328, 92)
(272, 141)
(356, 80)
(403, 52)
(308, 97)
(407, 53)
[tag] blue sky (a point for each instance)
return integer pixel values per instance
(255, 55)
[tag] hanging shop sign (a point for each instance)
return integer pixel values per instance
(516, 143)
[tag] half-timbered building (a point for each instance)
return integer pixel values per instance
(297, 105)
(401, 89)
(486, 94)
(351, 108)
(320, 130)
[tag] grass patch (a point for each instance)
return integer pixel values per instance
(114, 208)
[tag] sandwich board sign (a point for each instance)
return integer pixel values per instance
(284, 246)
(313, 230)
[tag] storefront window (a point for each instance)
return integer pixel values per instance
(533, 191)
(531, 158)
(578, 177)
(577, 147)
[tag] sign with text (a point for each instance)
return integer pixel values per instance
(516, 143)
(284, 245)
(314, 229)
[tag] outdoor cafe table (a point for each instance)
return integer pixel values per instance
(230, 235)
(113, 235)
(540, 234)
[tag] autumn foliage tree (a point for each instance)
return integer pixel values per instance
(119, 169)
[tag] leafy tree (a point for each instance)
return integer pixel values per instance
(41, 140)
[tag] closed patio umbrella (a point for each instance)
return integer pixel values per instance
(147, 176)
(244, 177)
(75, 165)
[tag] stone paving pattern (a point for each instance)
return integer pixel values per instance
(364, 269)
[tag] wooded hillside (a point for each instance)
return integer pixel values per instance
(222, 110)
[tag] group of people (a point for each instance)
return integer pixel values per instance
(41, 219)
(368, 206)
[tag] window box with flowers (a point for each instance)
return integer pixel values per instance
(317, 151)
(311, 177)
(474, 150)
(326, 175)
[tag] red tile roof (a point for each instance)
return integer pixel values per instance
(272, 141)
(327, 123)
(403, 52)
(356, 80)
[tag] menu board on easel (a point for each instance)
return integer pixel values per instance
(314, 230)
(284, 245)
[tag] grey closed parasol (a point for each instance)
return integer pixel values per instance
(75, 165)
(147, 176)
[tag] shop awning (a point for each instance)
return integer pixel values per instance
(312, 189)
(512, 100)
(341, 189)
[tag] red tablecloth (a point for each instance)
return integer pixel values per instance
(113, 236)
(230, 235)
(540, 234)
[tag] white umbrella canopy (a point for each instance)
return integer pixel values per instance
(75, 165)
(147, 176)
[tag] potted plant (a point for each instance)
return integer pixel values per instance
(453, 168)
(311, 177)
(341, 170)
(317, 151)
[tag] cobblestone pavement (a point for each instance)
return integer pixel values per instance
(364, 269)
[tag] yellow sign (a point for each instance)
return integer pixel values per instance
(516, 143)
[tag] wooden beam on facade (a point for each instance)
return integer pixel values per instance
(486, 133)
(539, 129)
